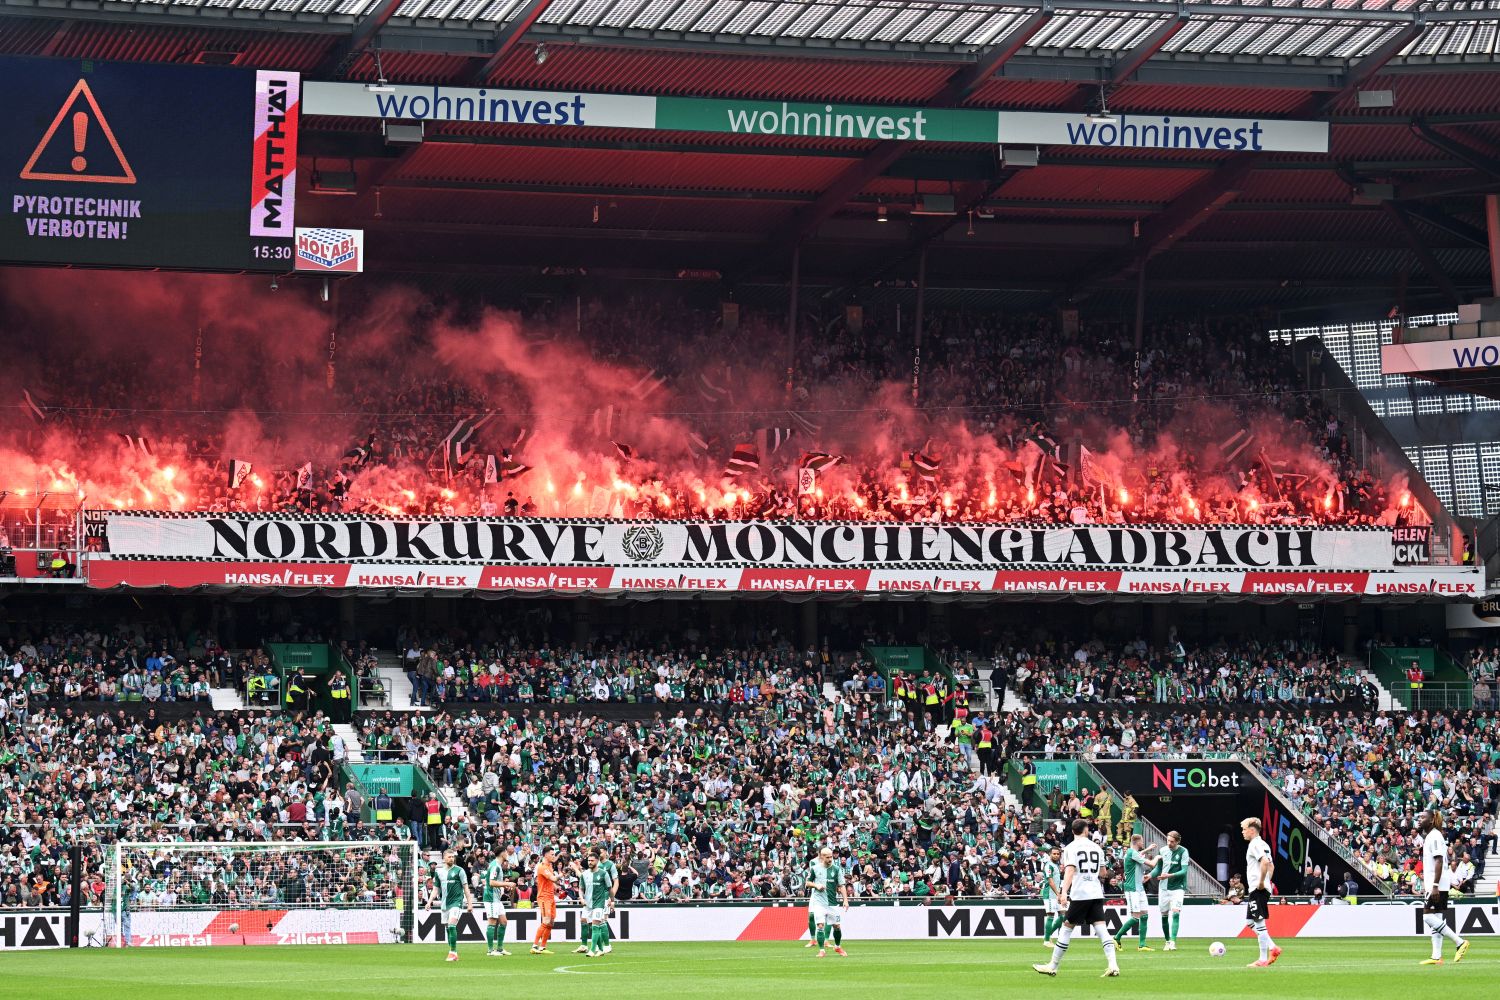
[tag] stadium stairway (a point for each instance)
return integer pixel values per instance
(354, 750)
(1384, 700)
(225, 699)
(1489, 882)
(397, 683)
(1009, 701)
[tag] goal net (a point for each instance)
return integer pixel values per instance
(260, 893)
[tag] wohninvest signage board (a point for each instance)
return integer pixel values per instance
(563, 555)
(472, 105)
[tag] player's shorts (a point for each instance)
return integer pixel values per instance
(824, 914)
(596, 914)
(453, 914)
(1170, 900)
(547, 910)
(1436, 902)
(1049, 905)
(1085, 912)
(494, 909)
(1257, 905)
(1135, 902)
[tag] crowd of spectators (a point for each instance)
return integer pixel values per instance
(1243, 671)
(1364, 777)
(710, 791)
(70, 777)
(450, 669)
(999, 394)
(121, 664)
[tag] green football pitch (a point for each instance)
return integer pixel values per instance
(1369, 969)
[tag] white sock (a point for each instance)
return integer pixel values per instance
(1434, 924)
(1109, 946)
(1061, 947)
(1264, 939)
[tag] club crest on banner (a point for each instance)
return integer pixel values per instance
(642, 543)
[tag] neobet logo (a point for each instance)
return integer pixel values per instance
(1183, 779)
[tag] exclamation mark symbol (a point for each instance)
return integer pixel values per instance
(80, 135)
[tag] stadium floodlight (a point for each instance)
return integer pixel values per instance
(1102, 115)
(541, 53)
(1012, 157)
(1376, 98)
(381, 84)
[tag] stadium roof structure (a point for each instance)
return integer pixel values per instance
(1394, 210)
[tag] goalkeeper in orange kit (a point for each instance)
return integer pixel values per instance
(546, 901)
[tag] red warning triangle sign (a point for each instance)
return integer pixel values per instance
(77, 146)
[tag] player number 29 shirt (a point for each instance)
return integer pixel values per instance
(1088, 859)
(1257, 850)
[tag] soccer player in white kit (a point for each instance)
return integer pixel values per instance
(1258, 869)
(1437, 880)
(1082, 899)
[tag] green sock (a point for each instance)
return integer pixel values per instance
(1176, 922)
(822, 937)
(604, 932)
(1125, 928)
(499, 937)
(489, 937)
(601, 935)
(812, 926)
(453, 937)
(838, 935)
(1046, 928)
(1143, 926)
(1166, 927)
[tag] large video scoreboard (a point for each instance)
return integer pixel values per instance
(135, 165)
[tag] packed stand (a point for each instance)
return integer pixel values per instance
(68, 776)
(61, 666)
(978, 461)
(1245, 671)
(1365, 777)
(459, 668)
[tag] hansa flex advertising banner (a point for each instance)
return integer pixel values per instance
(562, 555)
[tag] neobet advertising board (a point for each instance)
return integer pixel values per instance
(1203, 799)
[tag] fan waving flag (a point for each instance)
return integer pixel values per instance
(770, 439)
(927, 465)
(304, 476)
(648, 385)
(36, 411)
(461, 443)
(710, 391)
(744, 460)
(819, 460)
(138, 443)
(238, 473)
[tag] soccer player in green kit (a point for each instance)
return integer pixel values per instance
(456, 900)
(1137, 862)
(1051, 885)
(605, 886)
(1174, 875)
(585, 903)
(495, 884)
(823, 878)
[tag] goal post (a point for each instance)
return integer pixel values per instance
(292, 892)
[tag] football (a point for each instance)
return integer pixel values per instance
(234, 928)
(1217, 949)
